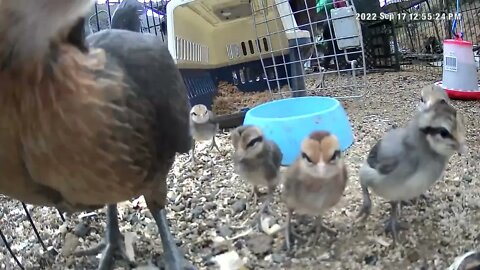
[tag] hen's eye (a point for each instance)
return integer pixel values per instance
(335, 155)
(305, 156)
(421, 99)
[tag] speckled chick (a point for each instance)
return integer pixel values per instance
(315, 182)
(431, 94)
(203, 127)
(257, 160)
(407, 161)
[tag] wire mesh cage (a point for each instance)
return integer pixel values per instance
(422, 25)
(321, 46)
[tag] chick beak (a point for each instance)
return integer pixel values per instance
(322, 167)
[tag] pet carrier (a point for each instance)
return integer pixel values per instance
(255, 45)
(215, 40)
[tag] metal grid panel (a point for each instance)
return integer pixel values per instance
(306, 60)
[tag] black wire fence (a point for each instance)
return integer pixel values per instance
(421, 26)
(153, 20)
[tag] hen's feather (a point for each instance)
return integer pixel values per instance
(95, 128)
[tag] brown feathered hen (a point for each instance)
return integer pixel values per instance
(87, 124)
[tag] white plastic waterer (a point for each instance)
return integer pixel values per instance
(459, 67)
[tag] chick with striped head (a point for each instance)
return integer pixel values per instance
(203, 127)
(431, 94)
(257, 160)
(315, 182)
(407, 161)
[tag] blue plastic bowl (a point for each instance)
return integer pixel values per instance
(288, 121)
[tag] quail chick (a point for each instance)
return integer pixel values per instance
(315, 182)
(257, 160)
(431, 94)
(203, 126)
(407, 161)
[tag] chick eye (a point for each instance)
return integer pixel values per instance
(305, 156)
(421, 99)
(426, 130)
(254, 141)
(444, 133)
(194, 113)
(335, 155)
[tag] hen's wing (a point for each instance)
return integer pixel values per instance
(108, 141)
(154, 78)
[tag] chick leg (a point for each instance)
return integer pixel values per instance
(367, 205)
(319, 228)
(113, 244)
(290, 233)
(392, 225)
(264, 207)
(268, 200)
(192, 155)
(214, 144)
(288, 229)
(254, 194)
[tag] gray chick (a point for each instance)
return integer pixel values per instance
(203, 127)
(407, 161)
(431, 94)
(257, 160)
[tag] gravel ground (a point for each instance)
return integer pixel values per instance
(210, 215)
